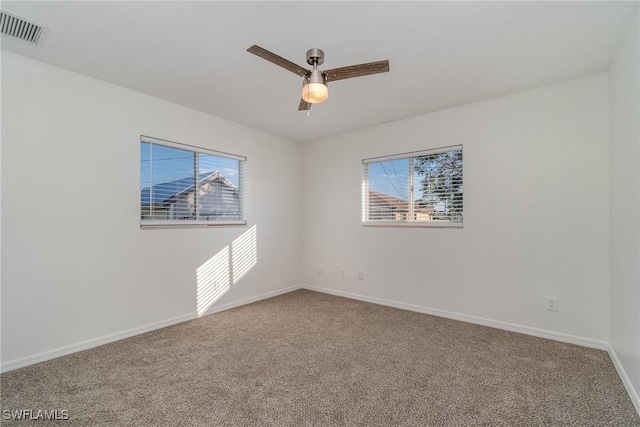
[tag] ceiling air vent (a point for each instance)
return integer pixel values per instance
(16, 26)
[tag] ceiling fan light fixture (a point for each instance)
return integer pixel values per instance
(314, 81)
(314, 88)
(315, 93)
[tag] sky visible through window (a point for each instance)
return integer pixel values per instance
(437, 179)
(160, 164)
(391, 177)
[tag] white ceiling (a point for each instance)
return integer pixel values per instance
(441, 54)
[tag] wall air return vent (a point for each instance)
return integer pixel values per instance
(16, 26)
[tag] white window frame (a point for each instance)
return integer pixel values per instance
(410, 222)
(157, 223)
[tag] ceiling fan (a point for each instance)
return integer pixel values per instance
(314, 81)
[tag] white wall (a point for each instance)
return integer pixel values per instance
(624, 81)
(536, 178)
(76, 266)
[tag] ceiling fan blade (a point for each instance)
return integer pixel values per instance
(357, 70)
(278, 60)
(304, 105)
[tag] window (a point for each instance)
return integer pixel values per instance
(183, 185)
(420, 188)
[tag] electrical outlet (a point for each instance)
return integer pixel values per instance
(552, 304)
(343, 274)
(360, 275)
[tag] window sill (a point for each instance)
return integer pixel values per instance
(190, 224)
(415, 224)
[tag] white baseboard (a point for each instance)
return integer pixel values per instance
(85, 345)
(513, 327)
(633, 395)
(106, 339)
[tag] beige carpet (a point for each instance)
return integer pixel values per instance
(309, 359)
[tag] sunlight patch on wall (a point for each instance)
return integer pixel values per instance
(213, 280)
(231, 264)
(244, 254)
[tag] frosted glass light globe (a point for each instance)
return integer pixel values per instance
(315, 93)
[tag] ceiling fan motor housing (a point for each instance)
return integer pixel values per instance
(315, 56)
(315, 76)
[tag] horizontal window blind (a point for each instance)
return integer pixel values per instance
(414, 154)
(185, 185)
(419, 188)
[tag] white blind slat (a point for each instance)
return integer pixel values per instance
(179, 145)
(412, 154)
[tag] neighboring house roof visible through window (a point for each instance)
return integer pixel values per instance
(382, 201)
(167, 193)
